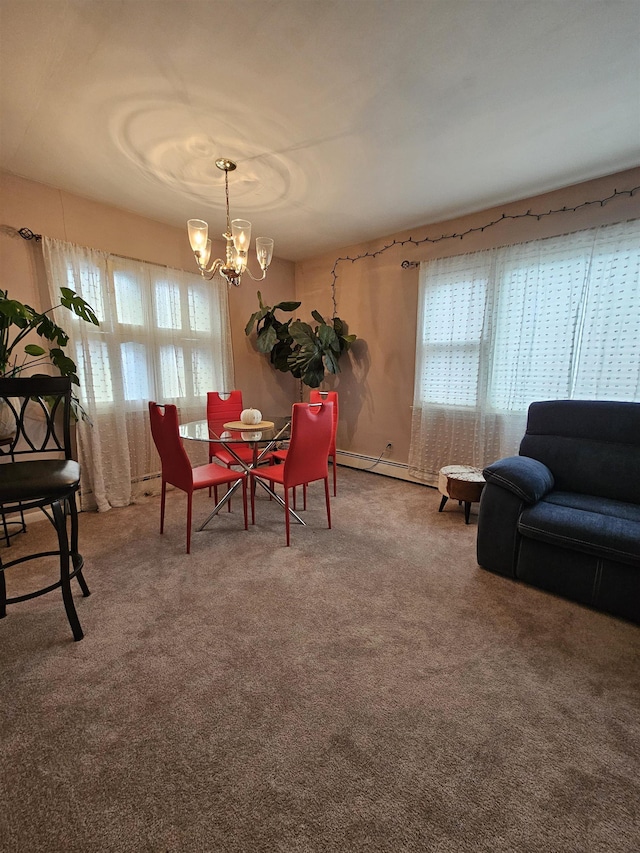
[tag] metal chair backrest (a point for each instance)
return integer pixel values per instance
(311, 427)
(36, 416)
(176, 465)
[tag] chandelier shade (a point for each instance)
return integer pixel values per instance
(238, 239)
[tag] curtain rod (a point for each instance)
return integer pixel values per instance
(28, 234)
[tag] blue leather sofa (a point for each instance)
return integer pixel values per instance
(564, 514)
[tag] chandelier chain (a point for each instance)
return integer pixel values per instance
(226, 192)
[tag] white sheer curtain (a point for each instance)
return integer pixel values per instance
(164, 335)
(551, 319)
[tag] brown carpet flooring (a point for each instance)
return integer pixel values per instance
(368, 689)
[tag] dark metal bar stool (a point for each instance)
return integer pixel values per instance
(41, 407)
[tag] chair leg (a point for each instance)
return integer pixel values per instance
(3, 593)
(189, 511)
(304, 496)
(244, 502)
(335, 475)
(5, 524)
(7, 537)
(162, 503)
(76, 556)
(287, 522)
(328, 502)
(65, 576)
(467, 511)
(253, 500)
(443, 502)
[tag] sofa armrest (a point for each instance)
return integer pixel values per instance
(527, 478)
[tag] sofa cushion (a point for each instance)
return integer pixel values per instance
(591, 446)
(600, 526)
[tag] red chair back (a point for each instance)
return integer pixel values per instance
(316, 396)
(311, 427)
(176, 465)
(219, 409)
(219, 412)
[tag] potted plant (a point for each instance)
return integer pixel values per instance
(18, 321)
(305, 351)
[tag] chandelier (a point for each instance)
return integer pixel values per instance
(238, 237)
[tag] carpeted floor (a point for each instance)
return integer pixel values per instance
(368, 689)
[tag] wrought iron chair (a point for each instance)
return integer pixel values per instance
(41, 410)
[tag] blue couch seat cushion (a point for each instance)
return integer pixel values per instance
(599, 526)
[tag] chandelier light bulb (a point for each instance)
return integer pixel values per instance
(203, 260)
(239, 261)
(264, 251)
(241, 233)
(198, 234)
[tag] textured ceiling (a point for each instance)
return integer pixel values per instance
(348, 120)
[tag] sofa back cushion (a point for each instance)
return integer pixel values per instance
(591, 447)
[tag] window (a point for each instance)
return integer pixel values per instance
(158, 332)
(163, 335)
(551, 319)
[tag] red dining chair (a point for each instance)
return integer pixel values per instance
(176, 466)
(316, 396)
(306, 461)
(220, 410)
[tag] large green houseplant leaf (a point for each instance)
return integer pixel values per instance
(19, 320)
(307, 352)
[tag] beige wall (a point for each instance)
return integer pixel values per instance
(64, 216)
(375, 296)
(378, 299)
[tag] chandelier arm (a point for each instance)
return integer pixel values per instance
(251, 275)
(209, 272)
(208, 276)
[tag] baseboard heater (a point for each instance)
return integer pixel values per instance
(398, 470)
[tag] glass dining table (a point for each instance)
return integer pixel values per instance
(262, 438)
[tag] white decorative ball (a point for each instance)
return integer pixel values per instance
(251, 416)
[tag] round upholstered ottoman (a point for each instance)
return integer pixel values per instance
(462, 483)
